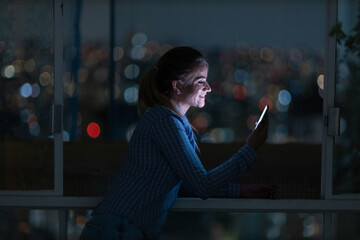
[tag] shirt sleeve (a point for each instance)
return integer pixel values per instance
(171, 138)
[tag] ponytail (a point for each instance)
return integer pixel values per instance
(150, 94)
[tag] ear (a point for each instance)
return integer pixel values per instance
(176, 86)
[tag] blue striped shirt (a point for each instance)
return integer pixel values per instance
(161, 161)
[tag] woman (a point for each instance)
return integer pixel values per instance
(161, 159)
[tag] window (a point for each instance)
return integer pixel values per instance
(87, 58)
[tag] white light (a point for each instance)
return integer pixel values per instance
(9, 71)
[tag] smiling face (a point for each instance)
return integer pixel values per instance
(194, 94)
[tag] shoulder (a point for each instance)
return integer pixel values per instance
(162, 118)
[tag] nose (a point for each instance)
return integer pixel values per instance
(207, 87)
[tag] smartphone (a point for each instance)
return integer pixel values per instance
(262, 116)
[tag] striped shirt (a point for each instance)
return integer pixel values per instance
(161, 161)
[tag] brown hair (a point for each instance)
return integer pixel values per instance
(178, 64)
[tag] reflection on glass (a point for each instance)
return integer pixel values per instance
(345, 225)
(280, 66)
(235, 225)
(29, 224)
(347, 145)
(27, 89)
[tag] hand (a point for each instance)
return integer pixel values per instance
(257, 191)
(259, 135)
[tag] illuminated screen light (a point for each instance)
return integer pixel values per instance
(263, 102)
(284, 97)
(131, 95)
(93, 130)
(26, 90)
(239, 92)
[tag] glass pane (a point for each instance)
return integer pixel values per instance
(216, 225)
(345, 225)
(27, 89)
(29, 224)
(259, 53)
(347, 145)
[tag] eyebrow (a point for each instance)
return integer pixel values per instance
(199, 77)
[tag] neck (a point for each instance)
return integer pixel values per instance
(180, 107)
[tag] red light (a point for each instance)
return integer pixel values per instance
(93, 130)
(265, 101)
(239, 92)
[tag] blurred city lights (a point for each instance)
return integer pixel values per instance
(9, 71)
(138, 52)
(35, 90)
(152, 47)
(242, 76)
(284, 97)
(139, 39)
(24, 115)
(266, 54)
(263, 102)
(281, 108)
(44, 79)
(118, 53)
(132, 71)
(93, 130)
(200, 123)
(131, 95)
(25, 90)
(239, 92)
(320, 81)
(30, 65)
(251, 121)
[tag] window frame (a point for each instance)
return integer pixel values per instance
(327, 204)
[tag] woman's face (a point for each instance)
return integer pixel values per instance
(194, 94)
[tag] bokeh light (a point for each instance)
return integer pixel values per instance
(9, 71)
(239, 92)
(35, 90)
(131, 94)
(139, 39)
(320, 81)
(263, 102)
(118, 53)
(132, 71)
(93, 130)
(284, 97)
(25, 90)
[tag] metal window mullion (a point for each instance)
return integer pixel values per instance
(58, 90)
(329, 100)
